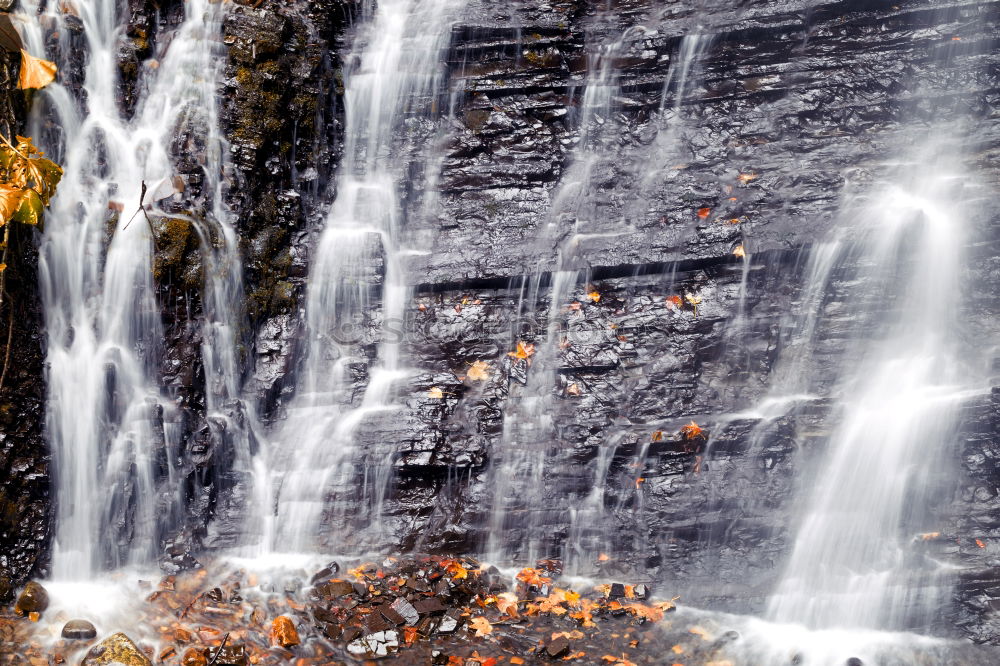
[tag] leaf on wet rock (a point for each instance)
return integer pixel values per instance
(435, 392)
(704, 212)
(738, 251)
(35, 72)
(573, 389)
(481, 626)
(594, 296)
(747, 177)
(523, 351)
(479, 371)
(691, 431)
(674, 302)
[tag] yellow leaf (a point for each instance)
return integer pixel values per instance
(594, 296)
(573, 389)
(507, 603)
(479, 371)
(698, 631)
(677, 649)
(482, 626)
(3, 267)
(523, 351)
(435, 392)
(738, 251)
(35, 72)
(10, 202)
(692, 299)
(31, 208)
(747, 177)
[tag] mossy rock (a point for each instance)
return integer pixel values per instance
(116, 649)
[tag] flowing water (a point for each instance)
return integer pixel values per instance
(853, 562)
(111, 426)
(397, 77)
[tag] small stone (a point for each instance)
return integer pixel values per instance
(194, 657)
(116, 649)
(325, 574)
(283, 632)
(449, 623)
(641, 591)
(431, 606)
(335, 589)
(617, 591)
(332, 631)
(406, 610)
(558, 647)
(854, 661)
(79, 630)
(418, 585)
(391, 615)
(33, 599)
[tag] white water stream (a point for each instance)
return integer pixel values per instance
(397, 75)
(110, 424)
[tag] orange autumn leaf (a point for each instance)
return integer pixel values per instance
(674, 301)
(456, 570)
(657, 436)
(594, 296)
(516, 660)
(980, 543)
(523, 351)
(435, 392)
(691, 431)
(481, 626)
(639, 482)
(704, 212)
(702, 633)
(409, 635)
(747, 177)
(532, 577)
(739, 252)
(35, 72)
(507, 603)
(603, 557)
(479, 371)
(734, 220)
(573, 389)
(677, 649)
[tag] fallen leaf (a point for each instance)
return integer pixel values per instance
(516, 660)
(603, 557)
(674, 302)
(573, 389)
(704, 212)
(35, 72)
(523, 351)
(507, 603)
(479, 371)
(639, 482)
(927, 536)
(739, 252)
(734, 220)
(747, 177)
(677, 649)
(980, 543)
(691, 431)
(482, 626)
(657, 436)
(435, 392)
(594, 296)
(701, 633)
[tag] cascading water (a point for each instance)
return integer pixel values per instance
(397, 78)
(852, 564)
(109, 423)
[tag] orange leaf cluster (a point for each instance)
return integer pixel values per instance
(532, 577)
(692, 431)
(523, 351)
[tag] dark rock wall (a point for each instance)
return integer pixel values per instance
(25, 463)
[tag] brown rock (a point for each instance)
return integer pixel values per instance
(33, 599)
(116, 649)
(283, 632)
(194, 657)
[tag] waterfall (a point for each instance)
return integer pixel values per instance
(394, 77)
(853, 562)
(113, 429)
